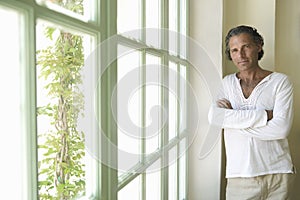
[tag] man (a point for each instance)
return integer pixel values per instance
(255, 108)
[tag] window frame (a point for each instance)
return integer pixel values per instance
(102, 26)
(28, 122)
(165, 145)
(32, 12)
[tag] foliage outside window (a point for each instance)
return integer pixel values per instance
(61, 168)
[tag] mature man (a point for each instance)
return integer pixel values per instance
(255, 108)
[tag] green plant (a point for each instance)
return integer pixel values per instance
(61, 171)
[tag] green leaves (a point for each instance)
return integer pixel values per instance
(61, 170)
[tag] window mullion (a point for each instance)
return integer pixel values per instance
(178, 29)
(178, 127)
(143, 122)
(164, 100)
(109, 175)
(186, 33)
(29, 114)
(143, 98)
(177, 163)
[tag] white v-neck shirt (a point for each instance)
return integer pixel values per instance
(255, 146)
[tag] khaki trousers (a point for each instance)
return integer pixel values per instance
(271, 187)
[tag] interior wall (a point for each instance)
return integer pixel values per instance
(287, 60)
(279, 23)
(257, 13)
(206, 30)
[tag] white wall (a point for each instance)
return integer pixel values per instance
(206, 30)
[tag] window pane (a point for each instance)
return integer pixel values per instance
(153, 19)
(153, 14)
(62, 156)
(182, 169)
(129, 17)
(173, 175)
(153, 104)
(173, 27)
(183, 29)
(173, 20)
(173, 98)
(153, 181)
(129, 108)
(78, 9)
(183, 99)
(131, 191)
(11, 104)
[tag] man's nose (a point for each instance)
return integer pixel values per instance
(241, 53)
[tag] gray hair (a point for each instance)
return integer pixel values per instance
(257, 38)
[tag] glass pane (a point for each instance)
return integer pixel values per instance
(173, 20)
(129, 17)
(153, 104)
(153, 19)
(78, 9)
(183, 99)
(173, 98)
(62, 152)
(182, 169)
(183, 29)
(11, 104)
(153, 181)
(131, 191)
(173, 27)
(152, 14)
(173, 174)
(129, 109)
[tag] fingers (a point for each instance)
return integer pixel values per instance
(224, 103)
(270, 114)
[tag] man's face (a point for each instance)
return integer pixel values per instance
(244, 52)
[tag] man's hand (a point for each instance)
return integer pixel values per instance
(224, 103)
(270, 114)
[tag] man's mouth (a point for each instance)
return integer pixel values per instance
(243, 61)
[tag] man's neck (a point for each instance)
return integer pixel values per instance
(251, 74)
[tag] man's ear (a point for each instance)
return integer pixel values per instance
(259, 47)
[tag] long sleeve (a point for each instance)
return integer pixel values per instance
(235, 119)
(279, 126)
(255, 146)
(277, 96)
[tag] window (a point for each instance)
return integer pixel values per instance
(89, 120)
(151, 99)
(63, 162)
(12, 102)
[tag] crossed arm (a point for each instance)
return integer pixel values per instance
(224, 103)
(262, 124)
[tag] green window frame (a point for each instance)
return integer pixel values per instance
(102, 24)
